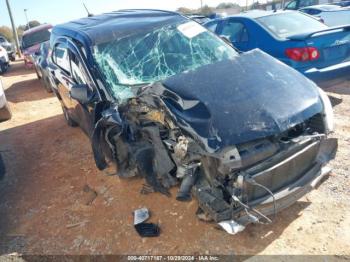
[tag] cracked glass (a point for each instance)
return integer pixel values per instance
(148, 57)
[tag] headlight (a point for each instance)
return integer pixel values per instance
(327, 112)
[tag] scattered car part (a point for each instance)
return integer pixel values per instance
(160, 97)
(145, 229)
(140, 215)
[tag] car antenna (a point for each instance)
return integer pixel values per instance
(89, 14)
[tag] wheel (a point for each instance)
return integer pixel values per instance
(68, 118)
(47, 84)
(3, 68)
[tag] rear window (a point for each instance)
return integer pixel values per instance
(292, 23)
(35, 38)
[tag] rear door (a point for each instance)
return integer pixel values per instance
(236, 31)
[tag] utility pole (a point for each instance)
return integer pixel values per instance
(14, 31)
(25, 13)
(201, 4)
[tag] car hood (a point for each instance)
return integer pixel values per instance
(240, 100)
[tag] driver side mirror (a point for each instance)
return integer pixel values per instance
(80, 92)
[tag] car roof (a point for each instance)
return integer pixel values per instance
(101, 28)
(253, 14)
(37, 28)
(323, 7)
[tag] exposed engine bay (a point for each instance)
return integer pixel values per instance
(145, 139)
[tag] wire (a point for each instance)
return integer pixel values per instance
(253, 182)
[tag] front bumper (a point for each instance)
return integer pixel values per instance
(296, 180)
(329, 76)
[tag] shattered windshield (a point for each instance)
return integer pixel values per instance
(153, 56)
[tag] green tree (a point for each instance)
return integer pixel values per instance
(6, 32)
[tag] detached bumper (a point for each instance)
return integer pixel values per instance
(328, 76)
(288, 179)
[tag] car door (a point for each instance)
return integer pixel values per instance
(60, 73)
(84, 112)
(236, 31)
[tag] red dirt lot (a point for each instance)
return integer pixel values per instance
(53, 200)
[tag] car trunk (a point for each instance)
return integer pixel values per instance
(332, 44)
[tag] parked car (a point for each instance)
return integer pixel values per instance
(31, 41)
(4, 60)
(163, 98)
(319, 52)
(342, 3)
(5, 112)
(9, 47)
(331, 15)
(41, 65)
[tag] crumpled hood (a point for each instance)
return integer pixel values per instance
(236, 101)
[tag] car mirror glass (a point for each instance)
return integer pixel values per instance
(80, 92)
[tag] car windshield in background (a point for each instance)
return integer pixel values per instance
(35, 38)
(153, 56)
(290, 23)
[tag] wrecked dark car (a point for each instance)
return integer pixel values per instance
(165, 99)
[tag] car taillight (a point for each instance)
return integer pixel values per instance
(303, 53)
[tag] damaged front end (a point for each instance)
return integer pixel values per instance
(161, 137)
(245, 147)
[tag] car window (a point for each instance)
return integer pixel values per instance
(304, 3)
(314, 12)
(235, 31)
(2, 40)
(212, 26)
(77, 69)
(60, 57)
(292, 5)
(290, 23)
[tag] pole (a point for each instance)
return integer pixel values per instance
(14, 31)
(201, 4)
(25, 13)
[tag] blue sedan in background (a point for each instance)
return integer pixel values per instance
(319, 52)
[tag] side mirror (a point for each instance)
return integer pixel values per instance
(80, 93)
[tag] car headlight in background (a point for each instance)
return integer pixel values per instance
(328, 116)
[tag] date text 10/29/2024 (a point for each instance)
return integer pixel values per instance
(174, 258)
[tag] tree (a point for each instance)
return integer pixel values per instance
(6, 32)
(184, 10)
(206, 10)
(227, 6)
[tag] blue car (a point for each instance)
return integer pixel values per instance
(319, 52)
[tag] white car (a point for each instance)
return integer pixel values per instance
(5, 112)
(331, 15)
(4, 60)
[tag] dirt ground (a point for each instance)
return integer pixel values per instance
(53, 200)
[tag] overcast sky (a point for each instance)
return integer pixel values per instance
(59, 11)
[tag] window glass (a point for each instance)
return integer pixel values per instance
(212, 26)
(60, 57)
(78, 71)
(290, 23)
(292, 5)
(304, 3)
(235, 31)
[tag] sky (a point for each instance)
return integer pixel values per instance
(60, 11)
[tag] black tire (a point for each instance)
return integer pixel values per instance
(68, 118)
(47, 85)
(5, 113)
(3, 68)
